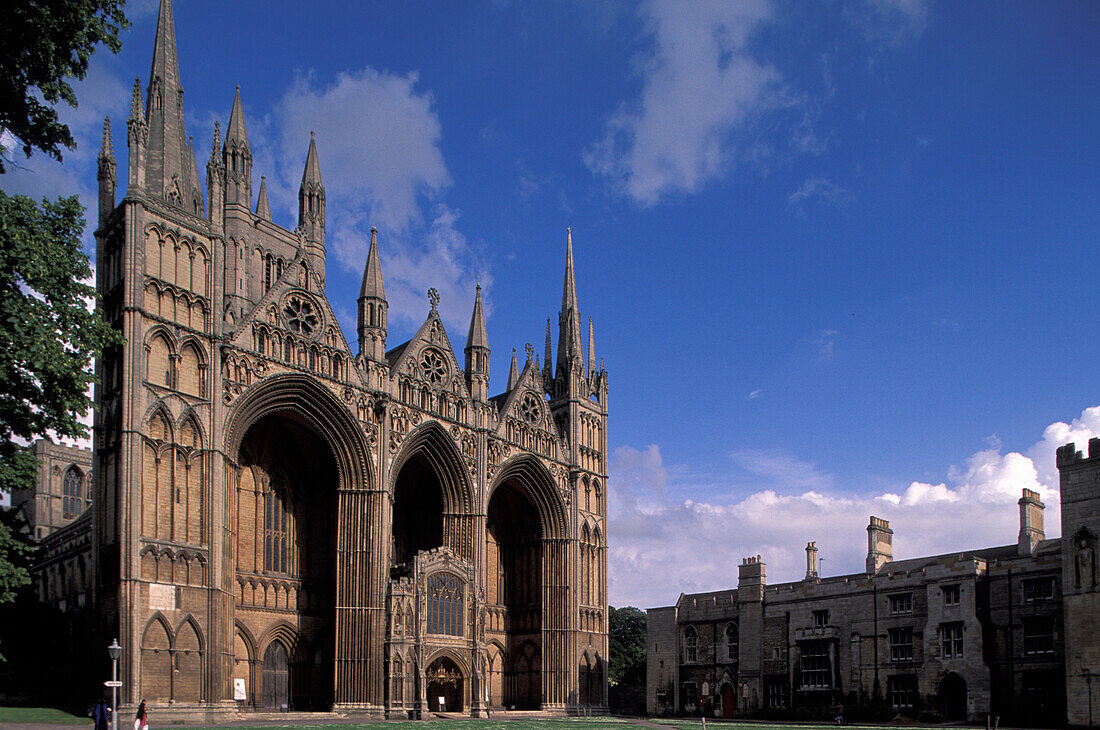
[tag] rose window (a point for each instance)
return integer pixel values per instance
(433, 367)
(529, 409)
(300, 316)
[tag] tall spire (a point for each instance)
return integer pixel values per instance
(591, 348)
(372, 272)
(477, 336)
(263, 208)
(311, 197)
(237, 131)
(237, 157)
(373, 307)
(106, 174)
(549, 374)
(513, 372)
(569, 320)
(168, 170)
(477, 353)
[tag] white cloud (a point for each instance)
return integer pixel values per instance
(378, 143)
(820, 188)
(699, 83)
(695, 545)
(825, 342)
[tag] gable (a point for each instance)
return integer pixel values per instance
(429, 359)
(295, 324)
(525, 417)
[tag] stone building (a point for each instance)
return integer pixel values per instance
(63, 488)
(281, 522)
(1009, 630)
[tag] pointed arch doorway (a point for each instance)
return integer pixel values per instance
(276, 678)
(445, 686)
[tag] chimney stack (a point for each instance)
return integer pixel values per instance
(1031, 522)
(811, 561)
(880, 544)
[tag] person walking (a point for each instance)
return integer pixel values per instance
(141, 722)
(101, 714)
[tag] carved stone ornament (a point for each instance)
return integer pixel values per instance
(302, 317)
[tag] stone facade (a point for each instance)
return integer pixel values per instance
(62, 488)
(281, 523)
(991, 631)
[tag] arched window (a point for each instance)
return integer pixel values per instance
(71, 493)
(690, 639)
(445, 594)
(275, 530)
(732, 638)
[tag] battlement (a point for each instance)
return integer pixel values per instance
(1068, 455)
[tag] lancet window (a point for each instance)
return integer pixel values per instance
(276, 528)
(71, 497)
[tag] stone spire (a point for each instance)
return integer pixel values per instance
(237, 156)
(477, 336)
(311, 197)
(137, 136)
(215, 179)
(194, 204)
(591, 348)
(263, 208)
(477, 353)
(107, 173)
(373, 307)
(569, 320)
(549, 357)
(513, 372)
(168, 170)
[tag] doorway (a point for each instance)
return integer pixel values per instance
(444, 686)
(729, 700)
(276, 678)
(953, 697)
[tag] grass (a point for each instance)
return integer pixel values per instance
(44, 715)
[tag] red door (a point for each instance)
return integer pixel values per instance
(729, 701)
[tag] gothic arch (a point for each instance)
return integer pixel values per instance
(531, 475)
(290, 637)
(459, 660)
(300, 395)
(432, 442)
(190, 418)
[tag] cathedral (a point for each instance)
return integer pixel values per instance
(281, 522)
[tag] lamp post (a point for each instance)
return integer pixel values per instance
(115, 652)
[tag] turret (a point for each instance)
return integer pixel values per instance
(880, 544)
(311, 208)
(373, 307)
(237, 157)
(215, 179)
(477, 353)
(107, 174)
(137, 139)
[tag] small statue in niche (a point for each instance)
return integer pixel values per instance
(1084, 563)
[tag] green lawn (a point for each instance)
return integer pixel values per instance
(29, 715)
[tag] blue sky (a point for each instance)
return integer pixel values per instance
(839, 255)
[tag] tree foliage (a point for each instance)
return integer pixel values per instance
(43, 44)
(48, 338)
(627, 629)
